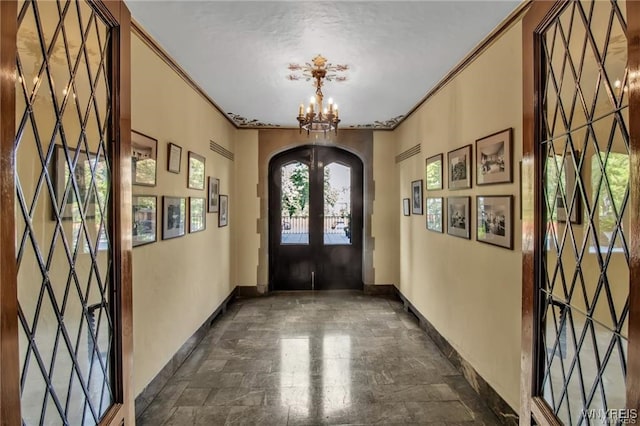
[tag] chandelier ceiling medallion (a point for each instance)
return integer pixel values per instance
(317, 117)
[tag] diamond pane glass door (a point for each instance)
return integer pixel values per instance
(584, 279)
(63, 213)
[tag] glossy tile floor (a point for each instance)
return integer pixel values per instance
(316, 358)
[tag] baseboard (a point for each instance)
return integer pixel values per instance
(379, 289)
(248, 291)
(494, 401)
(160, 380)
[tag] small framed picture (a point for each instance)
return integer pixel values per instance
(460, 168)
(494, 158)
(143, 159)
(197, 214)
(144, 214)
(195, 178)
(434, 172)
(495, 220)
(214, 191)
(434, 214)
(458, 217)
(174, 212)
(174, 157)
(223, 215)
(416, 194)
(406, 207)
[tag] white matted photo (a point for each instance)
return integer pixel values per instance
(406, 207)
(494, 158)
(214, 192)
(495, 220)
(174, 213)
(434, 214)
(459, 217)
(223, 214)
(459, 161)
(416, 197)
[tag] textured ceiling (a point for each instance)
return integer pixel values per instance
(239, 52)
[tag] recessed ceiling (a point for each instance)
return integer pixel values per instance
(239, 52)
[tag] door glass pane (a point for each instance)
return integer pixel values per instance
(63, 235)
(294, 203)
(584, 282)
(337, 204)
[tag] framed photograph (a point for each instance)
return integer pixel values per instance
(416, 197)
(434, 214)
(406, 207)
(144, 214)
(494, 158)
(567, 182)
(434, 172)
(195, 178)
(197, 214)
(85, 198)
(495, 220)
(460, 168)
(459, 217)
(174, 213)
(214, 192)
(223, 215)
(144, 153)
(174, 157)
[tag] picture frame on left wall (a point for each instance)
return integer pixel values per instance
(174, 157)
(174, 214)
(223, 215)
(416, 194)
(144, 216)
(144, 153)
(406, 207)
(195, 175)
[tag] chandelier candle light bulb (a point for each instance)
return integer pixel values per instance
(327, 118)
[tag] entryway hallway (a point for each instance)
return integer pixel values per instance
(305, 358)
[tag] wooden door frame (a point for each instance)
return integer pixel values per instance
(122, 410)
(536, 18)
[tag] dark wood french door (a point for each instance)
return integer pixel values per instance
(581, 206)
(315, 219)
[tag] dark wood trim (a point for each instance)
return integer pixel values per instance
(633, 355)
(542, 413)
(9, 354)
(472, 56)
(537, 15)
(121, 145)
(503, 411)
(148, 394)
(173, 64)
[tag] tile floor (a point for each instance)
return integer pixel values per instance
(308, 358)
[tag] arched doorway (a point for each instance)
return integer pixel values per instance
(315, 219)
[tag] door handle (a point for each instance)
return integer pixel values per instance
(313, 280)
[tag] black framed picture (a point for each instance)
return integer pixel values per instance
(460, 168)
(495, 220)
(174, 214)
(197, 214)
(144, 153)
(459, 217)
(144, 216)
(416, 197)
(195, 176)
(214, 192)
(223, 214)
(494, 158)
(174, 157)
(406, 206)
(434, 172)
(434, 214)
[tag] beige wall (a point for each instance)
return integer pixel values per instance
(177, 283)
(471, 292)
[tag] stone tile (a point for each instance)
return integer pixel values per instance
(265, 416)
(314, 359)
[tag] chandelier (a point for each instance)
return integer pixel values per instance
(317, 118)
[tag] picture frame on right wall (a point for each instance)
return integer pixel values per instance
(223, 214)
(406, 207)
(214, 192)
(459, 217)
(416, 194)
(495, 220)
(433, 167)
(435, 206)
(459, 161)
(494, 158)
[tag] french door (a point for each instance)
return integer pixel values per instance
(65, 200)
(581, 187)
(315, 219)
